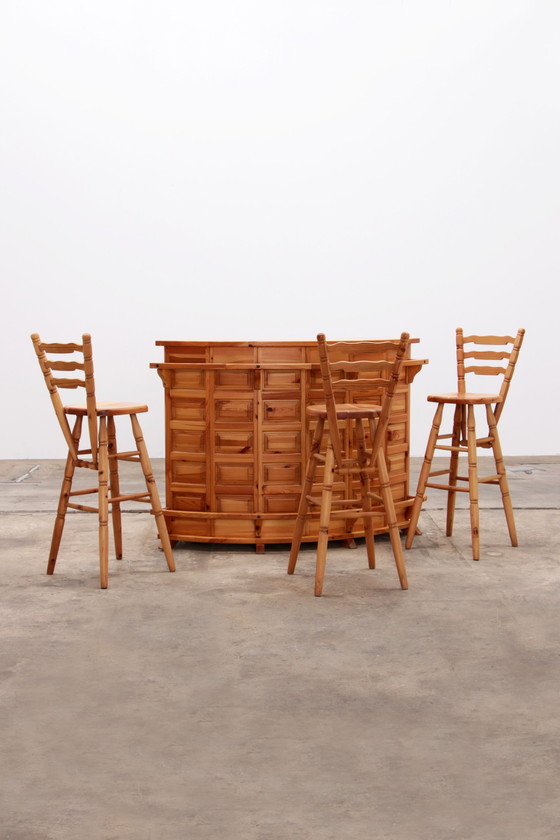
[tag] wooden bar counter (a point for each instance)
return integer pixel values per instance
(237, 439)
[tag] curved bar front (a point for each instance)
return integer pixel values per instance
(237, 440)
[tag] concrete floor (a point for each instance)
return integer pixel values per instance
(226, 702)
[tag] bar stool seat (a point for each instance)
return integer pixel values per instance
(465, 399)
(107, 409)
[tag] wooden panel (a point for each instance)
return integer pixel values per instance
(183, 408)
(234, 379)
(315, 381)
(239, 442)
(239, 472)
(279, 473)
(191, 472)
(233, 354)
(281, 442)
(186, 355)
(190, 501)
(281, 353)
(188, 440)
(283, 503)
(235, 410)
(281, 410)
(277, 530)
(188, 527)
(280, 378)
(232, 529)
(192, 379)
(235, 504)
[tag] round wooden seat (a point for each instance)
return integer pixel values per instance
(107, 409)
(465, 399)
(347, 411)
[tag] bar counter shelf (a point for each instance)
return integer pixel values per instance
(237, 440)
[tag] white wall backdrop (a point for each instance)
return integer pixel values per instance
(244, 169)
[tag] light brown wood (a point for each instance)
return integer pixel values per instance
(464, 439)
(466, 398)
(64, 498)
(501, 470)
(347, 456)
(453, 468)
(324, 519)
(102, 456)
(473, 481)
(103, 504)
(305, 497)
(116, 498)
(238, 437)
(365, 493)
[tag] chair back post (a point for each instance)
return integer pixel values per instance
(509, 372)
(329, 399)
(90, 397)
(334, 432)
(461, 385)
(382, 423)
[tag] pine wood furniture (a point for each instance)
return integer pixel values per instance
(238, 439)
(355, 457)
(102, 455)
(497, 361)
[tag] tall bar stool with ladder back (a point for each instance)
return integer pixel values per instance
(355, 451)
(102, 455)
(497, 359)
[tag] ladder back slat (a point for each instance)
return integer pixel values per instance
(66, 365)
(360, 365)
(68, 383)
(485, 370)
(487, 354)
(368, 384)
(62, 348)
(363, 347)
(488, 339)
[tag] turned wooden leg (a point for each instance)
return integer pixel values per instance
(454, 468)
(64, 498)
(365, 489)
(115, 487)
(324, 519)
(501, 470)
(306, 490)
(473, 482)
(424, 475)
(389, 505)
(103, 504)
(153, 491)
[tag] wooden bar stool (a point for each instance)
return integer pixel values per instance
(102, 455)
(463, 439)
(353, 460)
